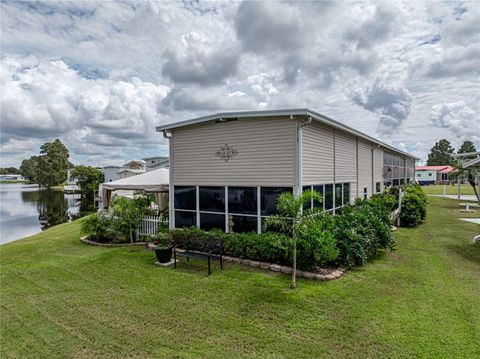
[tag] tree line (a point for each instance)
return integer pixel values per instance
(441, 154)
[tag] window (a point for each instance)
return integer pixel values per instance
(338, 195)
(269, 197)
(210, 221)
(185, 219)
(244, 224)
(242, 200)
(307, 205)
(378, 187)
(346, 194)
(185, 197)
(319, 189)
(328, 197)
(212, 199)
(365, 193)
(396, 182)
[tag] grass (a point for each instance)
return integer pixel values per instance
(450, 189)
(62, 298)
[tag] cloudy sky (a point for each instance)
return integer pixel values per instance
(100, 76)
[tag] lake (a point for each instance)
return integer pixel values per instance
(26, 210)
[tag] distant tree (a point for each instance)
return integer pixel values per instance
(52, 164)
(467, 147)
(8, 171)
(441, 154)
(28, 168)
(88, 179)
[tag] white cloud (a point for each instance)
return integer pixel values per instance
(458, 118)
(391, 101)
(101, 75)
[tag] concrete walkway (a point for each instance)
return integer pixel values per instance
(463, 197)
(473, 220)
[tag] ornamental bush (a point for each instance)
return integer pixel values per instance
(317, 246)
(362, 230)
(356, 234)
(414, 206)
(97, 226)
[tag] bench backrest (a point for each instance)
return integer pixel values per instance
(202, 242)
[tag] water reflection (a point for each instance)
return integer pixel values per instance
(26, 210)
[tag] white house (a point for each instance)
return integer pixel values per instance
(155, 163)
(131, 168)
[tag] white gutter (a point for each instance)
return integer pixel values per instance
(171, 212)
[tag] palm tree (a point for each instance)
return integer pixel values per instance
(292, 217)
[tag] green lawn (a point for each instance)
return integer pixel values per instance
(450, 189)
(62, 298)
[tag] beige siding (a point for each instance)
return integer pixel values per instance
(364, 167)
(345, 159)
(378, 167)
(318, 154)
(266, 153)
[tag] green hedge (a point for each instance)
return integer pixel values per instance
(353, 236)
(414, 206)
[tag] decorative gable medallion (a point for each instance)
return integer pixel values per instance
(226, 152)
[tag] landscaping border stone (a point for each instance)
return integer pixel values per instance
(88, 241)
(330, 275)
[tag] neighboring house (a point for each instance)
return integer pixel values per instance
(135, 165)
(128, 172)
(110, 173)
(155, 163)
(233, 166)
(12, 178)
(131, 168)
(427, 175)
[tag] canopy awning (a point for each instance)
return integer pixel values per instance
(152, 181)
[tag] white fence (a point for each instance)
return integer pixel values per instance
(149, 225)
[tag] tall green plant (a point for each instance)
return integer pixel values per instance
(88, 178)
(292, 218)
(127, 216)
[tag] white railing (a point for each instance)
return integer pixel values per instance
(149, 225)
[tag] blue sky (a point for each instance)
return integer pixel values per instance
(101, 75)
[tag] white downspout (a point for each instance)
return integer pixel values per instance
(171, 213)
(299, 179)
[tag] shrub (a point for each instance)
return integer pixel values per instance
(97, 226)
(164, 240)
(361, 232)
(317, 247)
(127, 216)
(414, 206)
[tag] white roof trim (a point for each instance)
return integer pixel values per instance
(284, 112)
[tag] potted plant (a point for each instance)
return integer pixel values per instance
(163, 248)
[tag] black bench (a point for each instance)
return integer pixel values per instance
(198, 249)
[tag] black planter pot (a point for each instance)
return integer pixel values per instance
(164, 255)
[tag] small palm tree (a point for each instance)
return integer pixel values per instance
(292, 217)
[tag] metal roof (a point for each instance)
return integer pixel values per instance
(283, 112)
